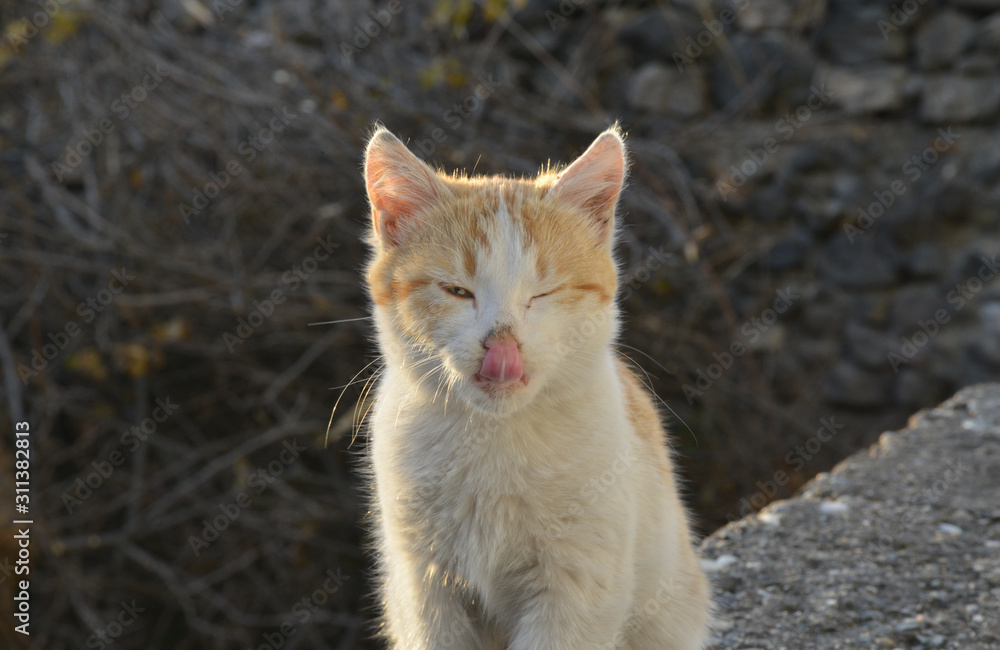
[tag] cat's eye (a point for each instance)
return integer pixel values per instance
(457, 291)
(541, 295)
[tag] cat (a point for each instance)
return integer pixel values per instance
(524, 497)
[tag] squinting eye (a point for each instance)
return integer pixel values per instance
(458, 292)
(541, 295)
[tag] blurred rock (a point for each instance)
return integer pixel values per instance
(866, 346)
(777, 68)
(658, 34)
(913, 388)
(913, 303)
(867, 262)
(656, 88)
(849, 385)
(987, 36)
(991, 5)
(788, 253)
(854, 35)
(866, 90)
(942, 38)
(795, 15)
(951, 99)
(927, 260)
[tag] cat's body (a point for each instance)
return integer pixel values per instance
(524, 492)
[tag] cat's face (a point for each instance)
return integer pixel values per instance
(491, 291)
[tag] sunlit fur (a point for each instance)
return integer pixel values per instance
(539, 517)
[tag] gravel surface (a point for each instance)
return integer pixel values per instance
(897, 547)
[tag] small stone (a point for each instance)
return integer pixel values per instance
(860, 24)
(959, 99)
(989, 317)
(660, 34)
(833, 507)
(788, 253)
(988, 34)
(760, 15)
(927, 260)
(719, 563)
(655, 88)
(868, 90)
(864, 263)
(915, 389)
(770, 518)
(950, 529)
(849, 385)
(942, 38)
(866, 346)
(991, 5)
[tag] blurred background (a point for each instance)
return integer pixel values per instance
(808, 255)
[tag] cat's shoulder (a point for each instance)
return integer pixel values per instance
(641, 409)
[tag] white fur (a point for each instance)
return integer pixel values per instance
(528, 523)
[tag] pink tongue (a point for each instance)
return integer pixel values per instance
(502, 363)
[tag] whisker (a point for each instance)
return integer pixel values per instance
(343, 320)
(326, 439)
(658, 364)
(365, 392)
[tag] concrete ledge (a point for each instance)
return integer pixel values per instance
(897, 547)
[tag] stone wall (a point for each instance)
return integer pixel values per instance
(843, 152)
(897, 547)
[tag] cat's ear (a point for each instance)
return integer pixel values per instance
(594, 181)
(400, 185)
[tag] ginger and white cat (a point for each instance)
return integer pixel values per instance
(524, 493)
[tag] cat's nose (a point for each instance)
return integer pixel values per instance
(502, 364)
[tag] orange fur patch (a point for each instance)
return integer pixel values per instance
(643, 416)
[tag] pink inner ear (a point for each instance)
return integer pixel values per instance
(388, 211)
(400, 186)
(592, 183)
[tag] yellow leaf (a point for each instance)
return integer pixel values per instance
(431, 75)
(88, 362)
(339, 100)
(136, 360)
(63, 25)
(175, 329)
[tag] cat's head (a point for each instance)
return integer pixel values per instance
(491, 290)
